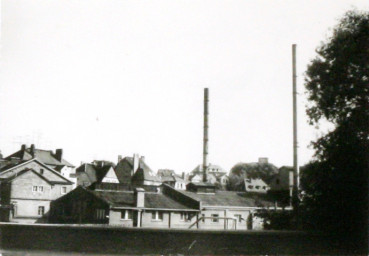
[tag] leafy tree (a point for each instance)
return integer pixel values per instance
(337, 82)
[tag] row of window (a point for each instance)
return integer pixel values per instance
(63, 190)
(257, 187)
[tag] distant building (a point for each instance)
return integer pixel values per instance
(256, 185)
(96, 172)
(26, 190)
(215, 175)
(134, 170)
(47, 157)
(172, 179)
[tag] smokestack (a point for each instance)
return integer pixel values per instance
(295, 162)
(206, 135)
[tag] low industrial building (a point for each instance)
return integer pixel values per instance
(199, 207)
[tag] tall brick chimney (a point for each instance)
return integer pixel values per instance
(32, 149)
(59, 154)
(140, 197)
(205, 162)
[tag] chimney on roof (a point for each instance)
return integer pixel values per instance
(183, 175)
(140, 197)
(142, 158)
(206, 135)
(120, 158)
(32, 150)
(136, 159)
(263, 160)
(23, 147)
(59, 154)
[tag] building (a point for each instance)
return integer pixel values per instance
(172, 179)
(199, 207)
(96, 172)
(26, 190)
(215, 175)
(47, 157)
(256, 185)
(134, 170)
(124, 208)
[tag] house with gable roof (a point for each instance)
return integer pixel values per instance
(96, 172)
(169, 177)
(135, 171)
(47, 157)
(26, 190)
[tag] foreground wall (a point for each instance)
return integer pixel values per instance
(105, 240)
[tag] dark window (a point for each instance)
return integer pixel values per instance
(41, 210)
(215, 218)
(257, 187)
(250, 187)
(203, 217)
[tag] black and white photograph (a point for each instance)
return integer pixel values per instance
(184, 127)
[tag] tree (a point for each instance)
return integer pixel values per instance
(334, 184)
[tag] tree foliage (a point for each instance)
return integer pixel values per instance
(337, 83)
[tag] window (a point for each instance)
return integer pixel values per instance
(257, 187)
(15, 209)
(203, 217)
(41, 210)
(40, 188)
(214, 218)
(184, 216)
(250, 187)
(99, 214)
(264, 187)
(156, 215)
(238, 217)
(34, 189)
(63, 190)
(126, 215)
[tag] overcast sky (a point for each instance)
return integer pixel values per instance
(106, 78)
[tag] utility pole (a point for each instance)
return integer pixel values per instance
(295, 192)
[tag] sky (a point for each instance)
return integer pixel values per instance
(106, 78)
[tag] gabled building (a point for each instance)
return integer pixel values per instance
(26, 190)
(96, 172)
(200, 207)
(124, 208)
(47, 157)
(256, 185)
(134, 170)
(169, 177)
(215, 175)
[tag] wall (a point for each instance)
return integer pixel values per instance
(115, 219)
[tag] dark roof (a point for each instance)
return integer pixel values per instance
(229, 199)
(201, 184)
(148, 174)
(45, 156)
(94, 172)
(152, 200)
